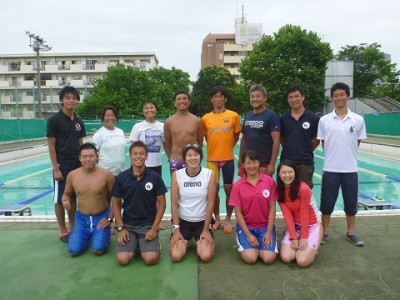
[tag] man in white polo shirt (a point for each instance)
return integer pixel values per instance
(340, 132)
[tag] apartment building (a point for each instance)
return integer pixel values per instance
(18, 78)
(229, 49)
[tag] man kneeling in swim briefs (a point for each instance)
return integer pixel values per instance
(91, 184)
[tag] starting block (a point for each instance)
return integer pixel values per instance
(367, 204)
(19, 209)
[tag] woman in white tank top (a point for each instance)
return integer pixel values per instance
(193, 191)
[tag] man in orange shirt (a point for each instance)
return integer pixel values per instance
(221, 131)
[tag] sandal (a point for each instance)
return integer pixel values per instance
(64, 236)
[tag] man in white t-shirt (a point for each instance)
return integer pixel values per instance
(340, 132)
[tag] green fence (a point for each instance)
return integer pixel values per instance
(14, 130)
(383, 124)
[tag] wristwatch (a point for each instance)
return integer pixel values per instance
(110, 220)
(175, 227)
(119, 228)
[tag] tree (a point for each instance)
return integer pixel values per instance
(208, 78)
(167, 83)
(290, 56)
(126, 88)
(374, 75)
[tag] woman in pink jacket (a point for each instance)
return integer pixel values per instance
(299, 208)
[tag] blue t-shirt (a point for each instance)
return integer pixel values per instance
(139, 197)
(297, 137)
(257, 129)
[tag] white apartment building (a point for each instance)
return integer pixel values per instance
(18, 77)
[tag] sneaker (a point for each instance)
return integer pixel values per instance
(355, 240)
(324, 238)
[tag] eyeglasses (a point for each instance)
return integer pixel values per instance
(192, 145)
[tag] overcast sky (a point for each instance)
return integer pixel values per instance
(175, 29)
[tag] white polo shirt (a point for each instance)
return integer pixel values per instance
(341, 141)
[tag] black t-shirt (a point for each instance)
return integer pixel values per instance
(139, 197)
(67, 133)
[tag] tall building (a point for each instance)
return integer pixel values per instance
(339, 71)
(228, 49)
(18, 79)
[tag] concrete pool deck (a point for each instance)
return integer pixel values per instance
(35, 265)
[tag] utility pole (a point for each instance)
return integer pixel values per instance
(38, 44)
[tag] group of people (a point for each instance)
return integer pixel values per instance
(135, 197)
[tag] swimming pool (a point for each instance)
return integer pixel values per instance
(30, 181)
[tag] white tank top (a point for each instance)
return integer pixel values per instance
(193, 195)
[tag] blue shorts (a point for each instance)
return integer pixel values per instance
(331, 182)
(59, 186)
(227, 167)
(85, 229)
(243, 243)
(176, 163)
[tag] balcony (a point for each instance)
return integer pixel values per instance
(4, 84)
(27, 68)
(27, 84)
(77, 83)
(232, 59)
(89, 67)
(64, 67)
(52, 83)
(14, 67)
(5, 99)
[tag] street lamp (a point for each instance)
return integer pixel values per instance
(38, 44)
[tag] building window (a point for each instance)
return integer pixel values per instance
(113, 63)
(14, 66)
(61, 80)
(63, 65)
(221, 56)
(242, 53)
(45, 76)
(130, 62)
(76, 77)
(91, 64)
(90, 79)
(29, 77)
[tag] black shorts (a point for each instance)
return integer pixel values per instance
(192, 229)
(331, 183)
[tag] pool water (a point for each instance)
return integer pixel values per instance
(30, 181)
